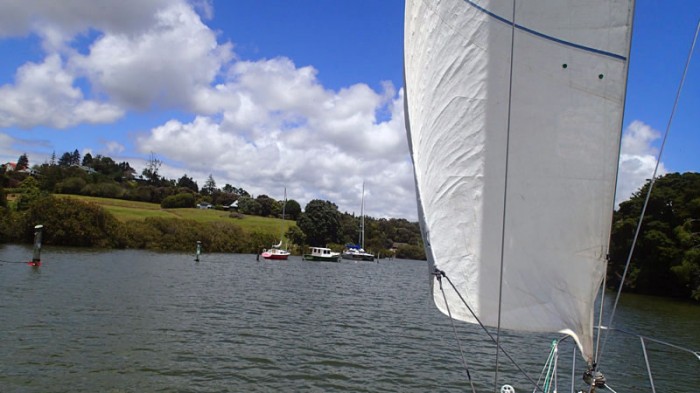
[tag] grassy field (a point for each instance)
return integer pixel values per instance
(131, 210)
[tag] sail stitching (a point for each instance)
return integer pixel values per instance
(545, 36)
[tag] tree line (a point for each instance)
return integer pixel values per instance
(319, 224)
(666, 260)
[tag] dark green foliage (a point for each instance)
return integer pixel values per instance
(87, 160)
(70, 159)
(266, 205)
(182, 200)
(104, 190)
(69, 222)
(665, 259)
(169, 234)
(410, 251)
(22, 162)
(247, 205)
(188, 182)
(223, 198)
(292, 210)
(320, 223)
(71, 185)
(102, 177)
(296, 236)
(29, 192)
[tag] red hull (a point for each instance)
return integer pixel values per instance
(274, 256)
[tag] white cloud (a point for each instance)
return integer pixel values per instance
(259, 125)
(285, 129)
(164, 66)
(44, 94)
(637, 159)
(70, 17)
(114, 148)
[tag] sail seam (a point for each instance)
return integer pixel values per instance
(546, 36)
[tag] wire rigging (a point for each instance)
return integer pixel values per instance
(651, 186)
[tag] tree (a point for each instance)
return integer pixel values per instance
(292, 210)
(150, 172)
(295, 235)
(188, 182)
(70, 159)
(22, 162)
(248, 205)
(664, 261)
(127, 171)
(87, 159)
(320, 222)
(29, 192)
(209, 186)
(266, 205)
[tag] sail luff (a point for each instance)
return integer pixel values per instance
(569, 69)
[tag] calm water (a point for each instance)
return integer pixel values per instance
(135, 321)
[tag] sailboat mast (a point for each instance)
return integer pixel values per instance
(284, 205)
(362, 219)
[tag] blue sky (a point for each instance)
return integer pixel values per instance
(270, 94)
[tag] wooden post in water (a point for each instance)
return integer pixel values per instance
(199, 250)
(36, 256)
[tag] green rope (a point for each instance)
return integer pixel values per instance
(548, 365)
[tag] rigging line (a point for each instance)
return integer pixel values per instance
(696, 353)
(646, 360)
(651, 186)
(505, 191)
(498, 345)
(454, 330)
(600, 311)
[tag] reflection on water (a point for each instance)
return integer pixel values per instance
(136, 321)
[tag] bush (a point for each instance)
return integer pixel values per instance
(71, 185)
(182, 200)
(104, 190)
(70, 222)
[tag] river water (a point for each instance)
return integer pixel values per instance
(137, 321)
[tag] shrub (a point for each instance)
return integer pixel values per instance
(182, 200)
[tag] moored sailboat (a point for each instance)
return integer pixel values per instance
(276, 251)
(356, 252)
(514, 114)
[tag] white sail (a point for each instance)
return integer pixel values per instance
(517, 170)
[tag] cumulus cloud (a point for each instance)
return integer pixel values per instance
(44, 94)
(637, 159)
(286, 129)
(260, 125)
(70, 17)
(164, 66)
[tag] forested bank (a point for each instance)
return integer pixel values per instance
(666, 260)
(320, 224)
